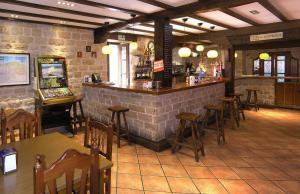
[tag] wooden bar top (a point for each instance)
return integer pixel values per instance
(138, 88)
(266, 77)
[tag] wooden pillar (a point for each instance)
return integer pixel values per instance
(163, 50)
(230, 72)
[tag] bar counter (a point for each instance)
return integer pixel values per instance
(152, 115)
(138, 88)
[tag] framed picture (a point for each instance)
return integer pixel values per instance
(14, 69)
(94, 54)
(79, 54)
(88, 48)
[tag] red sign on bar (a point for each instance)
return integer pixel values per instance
(158, 66)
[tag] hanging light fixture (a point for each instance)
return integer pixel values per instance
(133, 45)
(264, 56)
(107, 50)
(184, 52)
(212, 54)
(199, 48)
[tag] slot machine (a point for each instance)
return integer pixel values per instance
(52, 93)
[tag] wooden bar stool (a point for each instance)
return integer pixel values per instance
(218, 113)
(197, 144)
(240, 109)
(255, 99)
(77, 119)
(228, 103)
(119, 110)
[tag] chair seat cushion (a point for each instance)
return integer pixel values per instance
(118, 109)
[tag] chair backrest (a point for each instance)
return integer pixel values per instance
(66, 165)
(27, 123)
(102, 133)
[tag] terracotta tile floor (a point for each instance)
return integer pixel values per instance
(262, 156)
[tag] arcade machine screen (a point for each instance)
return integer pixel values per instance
(53, 81)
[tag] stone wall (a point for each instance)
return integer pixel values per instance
(38, 40)
(266, 95)
(150, 116)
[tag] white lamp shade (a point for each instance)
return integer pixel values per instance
(235, 55)
(133, 45)
(199, 48)
(212, 54)
(264, 56)
(194, 54)
(184, 52)
(106, 50)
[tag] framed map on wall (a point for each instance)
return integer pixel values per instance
(14, 69)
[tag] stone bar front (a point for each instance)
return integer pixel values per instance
(152, 115)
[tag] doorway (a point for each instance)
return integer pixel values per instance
(119, 64)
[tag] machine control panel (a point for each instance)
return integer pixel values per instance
(56, 93)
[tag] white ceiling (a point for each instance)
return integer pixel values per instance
(289, 8)
(52, 21)
(224, 18)
(83, 8)
(131, 4)
(53, 13)
(264, 16)
(177, 3)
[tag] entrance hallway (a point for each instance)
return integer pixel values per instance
(262, 156)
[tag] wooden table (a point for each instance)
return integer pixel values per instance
(52, 146)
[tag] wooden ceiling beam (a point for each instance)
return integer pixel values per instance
(45, 23)
(50, 17)
(157, 4)
(238, 16)
(50, 8)
(105, 6)
(273, 10)
(189, 26)
(175, 30)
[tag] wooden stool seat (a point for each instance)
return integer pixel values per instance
(188, 116)
(118, 109)
(197, 144)
(218, 113)
(255, 100)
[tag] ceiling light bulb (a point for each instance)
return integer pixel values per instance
(64, 3)
(68, 4)
(72, 5)
(16, 16)
(59, 2)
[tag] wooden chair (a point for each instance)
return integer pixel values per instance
(104, 138)
(28, 124)
(66, 165)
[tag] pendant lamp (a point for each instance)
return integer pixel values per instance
(264, 56)
(107, 50)
(199, 48)
(184, 52)
(212, 54)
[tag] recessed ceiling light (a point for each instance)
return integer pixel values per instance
(212, 27)
(254, 12)
(14, 16)
(66, 3)
(63, 22)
